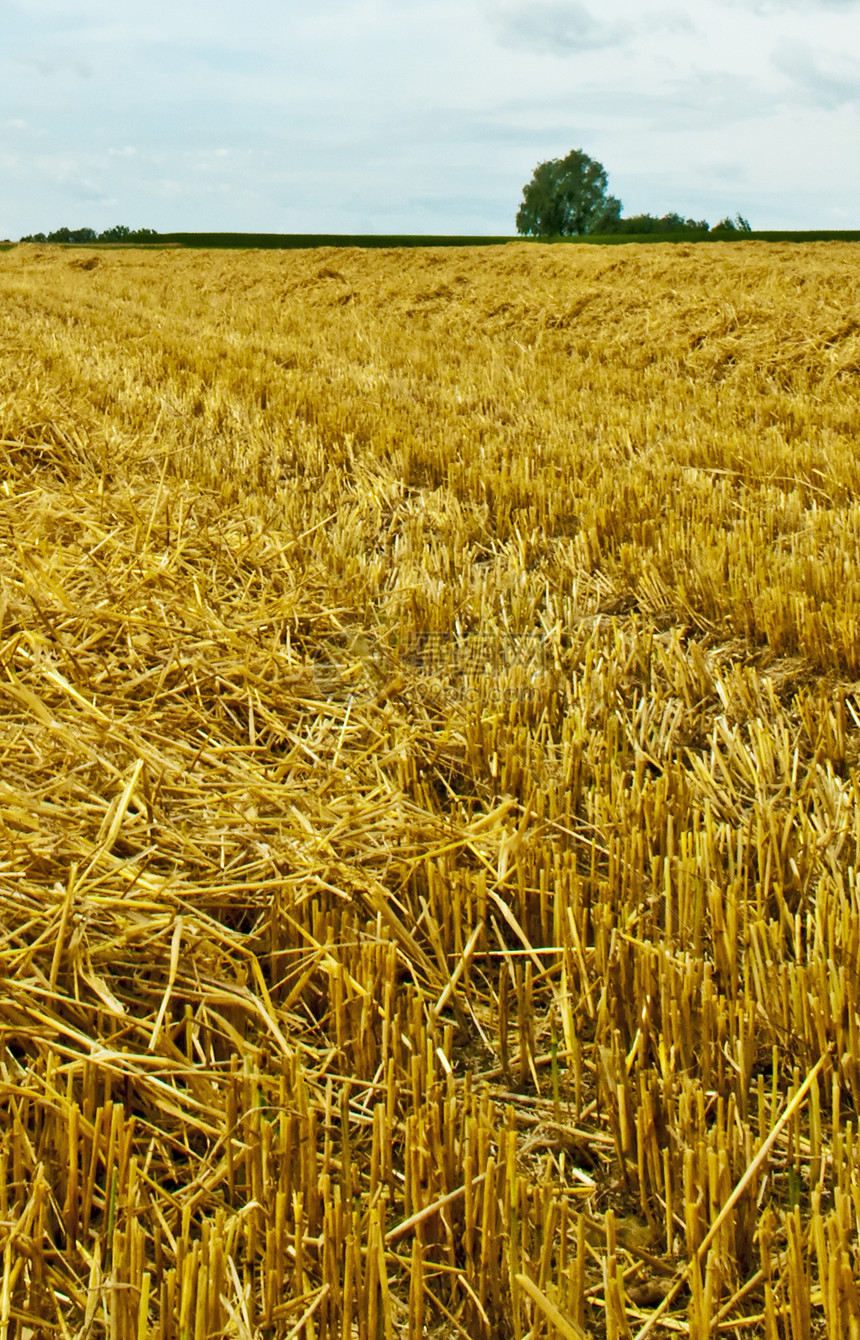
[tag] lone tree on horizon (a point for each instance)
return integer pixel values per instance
(567, 196)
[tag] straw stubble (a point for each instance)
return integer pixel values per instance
(428, 816)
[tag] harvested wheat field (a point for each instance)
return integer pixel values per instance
(429, 817)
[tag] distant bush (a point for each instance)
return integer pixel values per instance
(736, 225)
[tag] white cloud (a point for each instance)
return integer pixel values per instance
(422, 115)
(801, 6)
(556, 28)
(828, 79)
(562, 28)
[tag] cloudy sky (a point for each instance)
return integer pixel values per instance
(421, 115)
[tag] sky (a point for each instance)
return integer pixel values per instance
(421, 116)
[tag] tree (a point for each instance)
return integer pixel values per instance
(567, 196)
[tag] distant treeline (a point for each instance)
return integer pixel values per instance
(638, 228)
(275, 241)
(119, 233)
(642, 224)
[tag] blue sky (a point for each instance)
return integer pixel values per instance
(421, 115)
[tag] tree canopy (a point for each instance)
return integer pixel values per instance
(567, 196)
